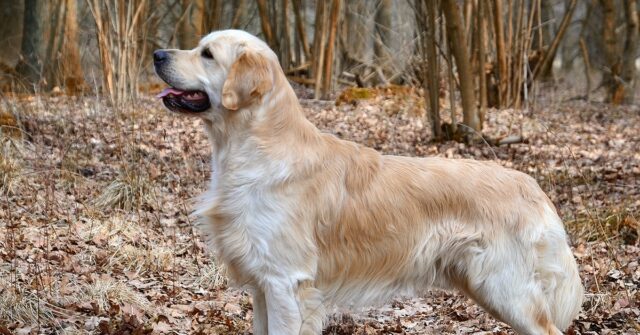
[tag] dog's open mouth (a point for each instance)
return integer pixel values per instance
(185, 101)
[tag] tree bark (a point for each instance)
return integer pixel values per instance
(451, 131)
(544, 66)
(587, 68)
(480, 45)
(383, 37)
(358, 32)
(434, 69)
(301, 31)
(319, 38)
(612, 57)
(72, 74)
(458, 43)
(330, 51)
(54, 33)
(426, 19)
(238, 15)
(467, 15)
(11, 16)
(544, 36)
(629, 71)
(498, 15)
(286, 52)
(213, 12)
(265, 22)
(191, 24)
(30, 65)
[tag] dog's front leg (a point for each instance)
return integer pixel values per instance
(260, 321)
(282, 309)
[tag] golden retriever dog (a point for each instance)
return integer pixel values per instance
(307, 221)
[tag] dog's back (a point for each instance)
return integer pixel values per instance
(396, 225)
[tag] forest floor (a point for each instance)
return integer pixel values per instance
(96, 237)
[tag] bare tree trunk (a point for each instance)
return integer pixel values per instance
(480, 45)
(267, 28)
(508, 78)
(11, 16)
(30, 65)
(72, 74)
(612, 57)
(383, 37)
(319, 38)
(517, 56)
(587, 68)
(544, 37)
(458, 43)
(285, 36)
(191, 24)
(431, 75)
(301, 31)
(629, 71)
(498, 16)
(451, 131)
(330, 51)
(213, 15)
(54, 33)
(468, 14)
(238, 15)
(358, 37)
(274, 20)
(544, 66)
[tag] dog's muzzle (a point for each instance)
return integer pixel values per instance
(175, 98)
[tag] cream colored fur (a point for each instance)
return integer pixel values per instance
(308, 221)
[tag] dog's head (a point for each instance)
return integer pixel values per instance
(228, 70)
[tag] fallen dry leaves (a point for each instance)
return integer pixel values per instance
(96, 238)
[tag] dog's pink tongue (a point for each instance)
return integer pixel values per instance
(169, 90)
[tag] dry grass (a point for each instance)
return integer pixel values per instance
(72, 330)
(115, 230)
(212, 277)
(10, 145)
(615, 224)
(10, 164)
(9, 123)
(73, 166)
(20, 304)
(130, 190)
(105, 291)
(129, 245)
(131, 258)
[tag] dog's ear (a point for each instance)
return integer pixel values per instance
(249, 79)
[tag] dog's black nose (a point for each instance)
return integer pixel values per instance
(160, 56)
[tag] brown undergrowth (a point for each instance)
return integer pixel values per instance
(96, 237)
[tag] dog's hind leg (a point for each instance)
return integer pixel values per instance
(312, 309)
(260, 321)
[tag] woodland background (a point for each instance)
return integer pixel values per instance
(96, 178)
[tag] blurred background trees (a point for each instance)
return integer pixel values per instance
(474, 54)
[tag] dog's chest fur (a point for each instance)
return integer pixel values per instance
(247, 209)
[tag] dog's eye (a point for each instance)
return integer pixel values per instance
(206, 54)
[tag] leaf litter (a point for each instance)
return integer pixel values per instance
(96, 237)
